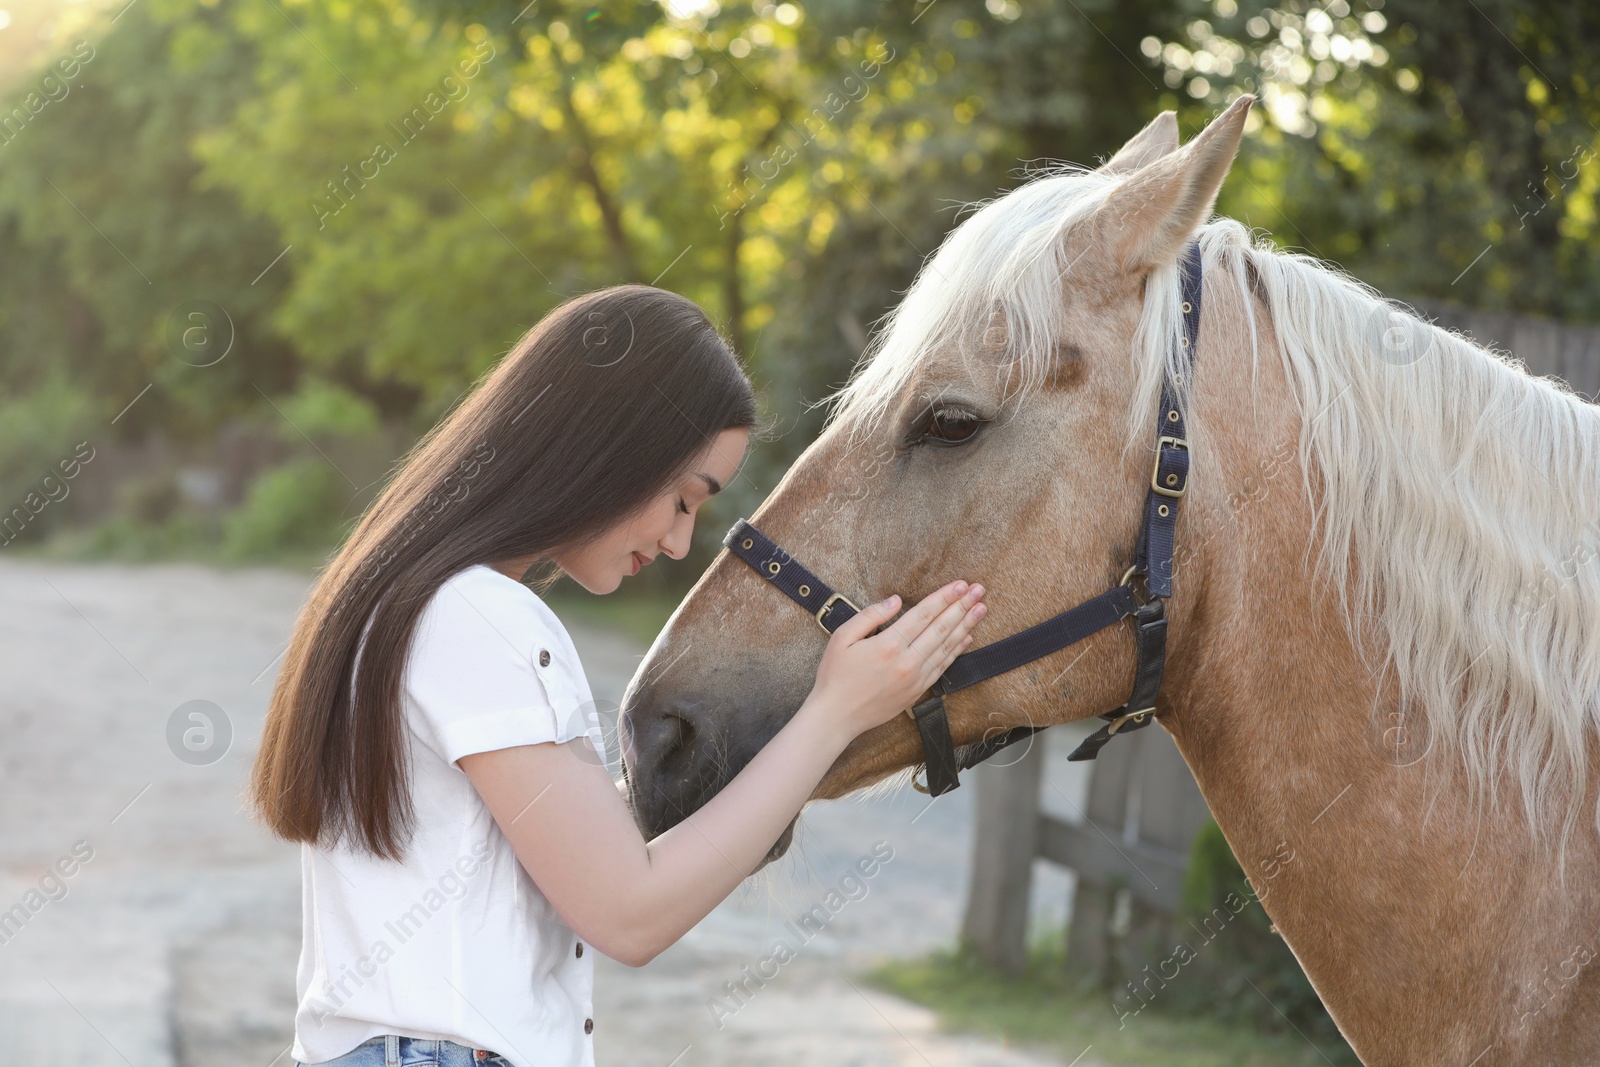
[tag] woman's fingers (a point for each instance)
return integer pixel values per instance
(868, 619)
(930, 635)
(960, 637)
(908, 626)
(949, 627)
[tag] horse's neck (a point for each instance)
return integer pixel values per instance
(1415, 914)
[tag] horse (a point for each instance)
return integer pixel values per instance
(1384, 624)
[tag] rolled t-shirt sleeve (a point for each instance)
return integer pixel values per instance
(470, 681)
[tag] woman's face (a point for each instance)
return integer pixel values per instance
(664, 525)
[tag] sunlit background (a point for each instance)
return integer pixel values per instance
(250, 250)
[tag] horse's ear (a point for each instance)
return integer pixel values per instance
(1158, 138)
(1147, 220)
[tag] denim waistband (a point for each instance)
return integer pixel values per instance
(393, 1051)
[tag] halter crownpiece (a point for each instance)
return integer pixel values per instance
(1152, 561)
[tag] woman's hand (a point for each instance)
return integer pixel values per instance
(867, 679)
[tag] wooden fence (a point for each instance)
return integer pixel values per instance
(1131, 840)
(1545, 346)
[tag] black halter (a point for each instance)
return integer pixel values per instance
(1152, 561)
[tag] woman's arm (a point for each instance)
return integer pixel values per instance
(572, 831)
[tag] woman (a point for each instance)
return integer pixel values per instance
(431, 739)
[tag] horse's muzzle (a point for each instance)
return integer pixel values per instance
(678, 753)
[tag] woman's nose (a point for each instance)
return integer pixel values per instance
(676, 543)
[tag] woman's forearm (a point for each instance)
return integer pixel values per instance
(572, 832)
(697, 863)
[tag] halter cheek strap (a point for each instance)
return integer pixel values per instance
(1153, 562)
(1169, 479)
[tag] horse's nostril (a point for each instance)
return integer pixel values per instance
(678, 736)
(670, 774)
(665, 741)
(663, 737)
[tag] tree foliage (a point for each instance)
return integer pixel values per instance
(377, 197)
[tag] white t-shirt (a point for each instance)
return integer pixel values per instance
(456, 941)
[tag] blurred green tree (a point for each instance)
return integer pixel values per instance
(1436, 151)
(100, 198)
(382, 196)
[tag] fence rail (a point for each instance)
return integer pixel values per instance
(1142, 812)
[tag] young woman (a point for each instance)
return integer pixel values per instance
(431, 739)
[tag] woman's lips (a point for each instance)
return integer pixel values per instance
(638, 562)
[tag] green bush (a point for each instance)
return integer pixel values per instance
(38, 430)
(1248, 973)
(293, 507)
(322, 410)
(127, 537)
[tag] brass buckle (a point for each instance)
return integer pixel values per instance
(827, 605)
(1155, 470)
(1122, 720)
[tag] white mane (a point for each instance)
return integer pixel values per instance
(1459, 496)
(1005, 258)
(1460, 512)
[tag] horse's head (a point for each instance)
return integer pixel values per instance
(986, 437)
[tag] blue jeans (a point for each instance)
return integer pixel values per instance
(392, 1051)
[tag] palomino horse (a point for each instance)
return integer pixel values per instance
(1384, 640)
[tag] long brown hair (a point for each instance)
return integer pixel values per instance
(595, 412)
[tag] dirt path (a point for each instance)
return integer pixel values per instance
(173, 941)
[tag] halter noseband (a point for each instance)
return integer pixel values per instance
(1152, 560)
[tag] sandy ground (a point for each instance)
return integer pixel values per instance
(173, 939)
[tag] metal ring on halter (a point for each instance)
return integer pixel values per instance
(1135, 717)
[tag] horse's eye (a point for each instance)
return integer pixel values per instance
(951, 426)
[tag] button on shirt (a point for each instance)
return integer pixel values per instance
(455, 940)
